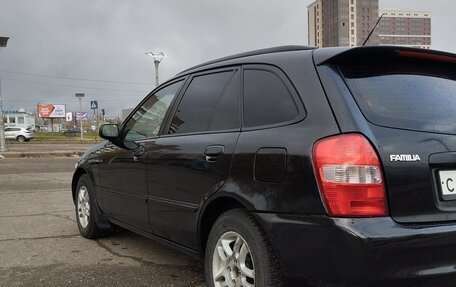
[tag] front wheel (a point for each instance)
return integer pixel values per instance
(91, 224)
(20, 139)
(238, 253)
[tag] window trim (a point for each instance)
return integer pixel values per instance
(184, 81)
(233, 69)
(302, 113)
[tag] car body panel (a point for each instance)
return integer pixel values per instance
(413, 186)
(122, 185)
(181, 177)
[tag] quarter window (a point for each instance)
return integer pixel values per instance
(267, 100)
(198, 103)
(146, 120)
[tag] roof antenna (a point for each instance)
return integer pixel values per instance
(372, 31)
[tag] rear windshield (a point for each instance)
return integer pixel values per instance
(405, 92)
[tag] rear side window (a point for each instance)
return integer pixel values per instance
(407, 93)
(267, 100)
(197, 106)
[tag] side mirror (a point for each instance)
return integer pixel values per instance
(111, 133)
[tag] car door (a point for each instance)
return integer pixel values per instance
(9, 134)
(192, 160)
(123, 172)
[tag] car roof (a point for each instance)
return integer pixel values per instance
(321, 55)
(220, 61)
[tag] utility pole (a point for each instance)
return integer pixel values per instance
(80, 96)
(158, 57)
(3, 42)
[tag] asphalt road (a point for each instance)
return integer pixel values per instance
(40, 244)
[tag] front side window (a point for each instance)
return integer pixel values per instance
(146, 121)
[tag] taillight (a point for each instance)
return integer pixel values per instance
(349, 176)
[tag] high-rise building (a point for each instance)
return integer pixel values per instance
(349, 22)
(341, 22)
(405, 28)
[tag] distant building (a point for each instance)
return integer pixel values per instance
(20, 118)
(405, 28)
(334, 23)
(341, 22)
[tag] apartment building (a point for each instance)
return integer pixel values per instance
(341, 22)
(349, 22)
(405, 28)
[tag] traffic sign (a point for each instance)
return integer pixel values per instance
(94, 105)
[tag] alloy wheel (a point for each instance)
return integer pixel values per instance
(232, 262)
(83, 207)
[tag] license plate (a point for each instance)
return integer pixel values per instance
(448, 184)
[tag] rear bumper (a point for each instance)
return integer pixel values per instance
(324, 251)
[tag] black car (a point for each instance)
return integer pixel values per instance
(290, 166)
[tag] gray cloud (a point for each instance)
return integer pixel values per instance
(106, 39)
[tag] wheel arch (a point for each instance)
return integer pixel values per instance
(211, 210)
(74, 183)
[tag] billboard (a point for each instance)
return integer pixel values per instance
(84, 116)
(51, 111)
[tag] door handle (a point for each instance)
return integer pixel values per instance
(213, 152)
(137, 153)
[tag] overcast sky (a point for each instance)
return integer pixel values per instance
(55, 44)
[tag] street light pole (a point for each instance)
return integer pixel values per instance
(3, 42)
(158, 57)
(80, 96)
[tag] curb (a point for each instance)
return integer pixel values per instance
(41, 154)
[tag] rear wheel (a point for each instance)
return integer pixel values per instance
(91, 223)
(239, 254)
(20, 139)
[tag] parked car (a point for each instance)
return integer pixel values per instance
(19, 134)
(290, 166)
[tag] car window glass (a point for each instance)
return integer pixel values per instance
(198, 103)
(266, 99)
(146, 121)
(405, 93)
(227, 112)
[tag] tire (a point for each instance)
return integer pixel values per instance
(20, 139)
(248, 259)
(91, 223)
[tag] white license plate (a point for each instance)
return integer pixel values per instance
(448, 182)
